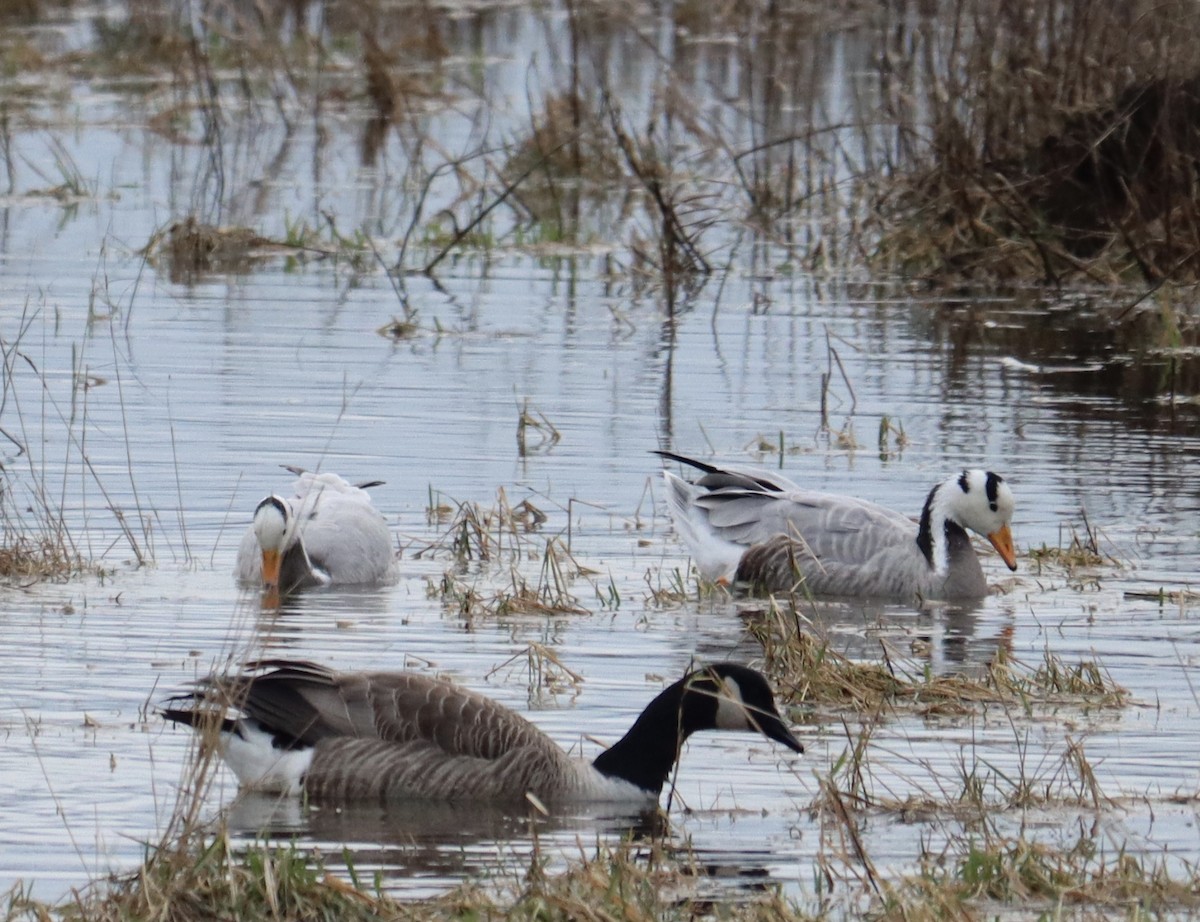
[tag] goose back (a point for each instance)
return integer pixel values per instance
(396, 735)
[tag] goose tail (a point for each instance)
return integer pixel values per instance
(199, 720)
(715, 558)
(259, 758)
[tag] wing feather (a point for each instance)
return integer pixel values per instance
(760, 527)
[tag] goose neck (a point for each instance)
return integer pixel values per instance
(938, 529)
(646, 754)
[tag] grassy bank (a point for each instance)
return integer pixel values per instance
(979, 873)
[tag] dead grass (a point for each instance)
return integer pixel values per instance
(1045, 142)
(1078, 556)
(535, 433)
(992, 872)
(258, 882)
(191, 247)
(27, 559)
(976, 794)
(987, 873)
(817, 676)
(494, 549)
(475, 532)
(1042, 142)
(36, 534)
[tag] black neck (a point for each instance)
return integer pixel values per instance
(925, 531)
(646, 754)
(953, 534)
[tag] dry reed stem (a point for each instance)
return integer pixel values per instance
(498, 543)
(1042, 142)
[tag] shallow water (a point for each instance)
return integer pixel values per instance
(94, 774)
(198, 393)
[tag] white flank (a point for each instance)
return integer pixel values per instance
(259, 765)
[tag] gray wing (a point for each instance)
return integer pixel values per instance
(749, 506)
(839, 526)
(896, 571)
(835, 545)
(344, 535)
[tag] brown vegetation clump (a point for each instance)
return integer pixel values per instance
(814, 674)
(29, 559)
(1046, 141)
(567, 141)
(190, 248)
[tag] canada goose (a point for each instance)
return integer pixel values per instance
(327, 532)
(294, 726)
(760, 528)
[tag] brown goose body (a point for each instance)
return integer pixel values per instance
(300, 727)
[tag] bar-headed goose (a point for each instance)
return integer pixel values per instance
(326, 532)
(293, 726)
(758, 527)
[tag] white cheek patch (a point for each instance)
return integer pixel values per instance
(731, 712)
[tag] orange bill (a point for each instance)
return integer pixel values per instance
(270, 569)
(1002, 541)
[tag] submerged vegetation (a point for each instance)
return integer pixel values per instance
(817, 676)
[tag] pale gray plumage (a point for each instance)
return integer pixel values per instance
(758, 527)
(298, 726)
(327, 532)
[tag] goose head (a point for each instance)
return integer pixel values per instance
(977, 500)
(723, 696)
(273, 526)
(726, 696)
